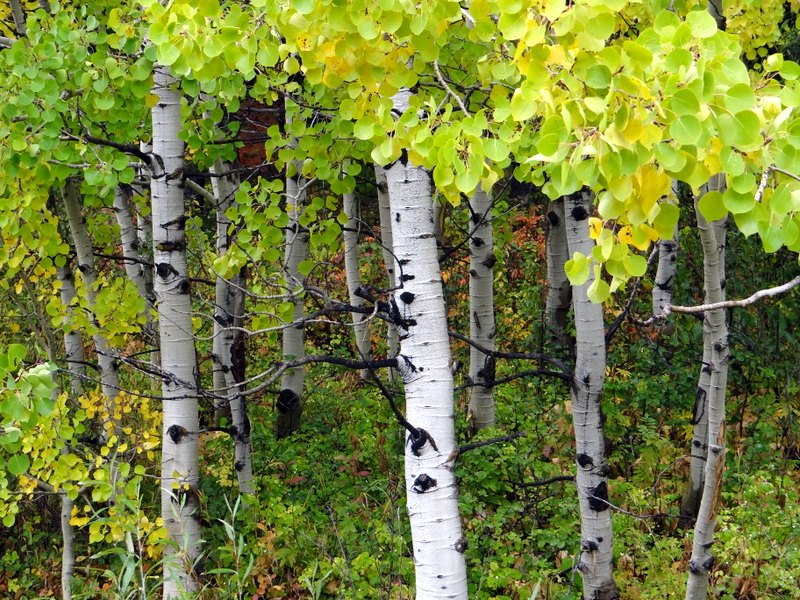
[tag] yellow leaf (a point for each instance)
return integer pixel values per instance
(151, 100)
(595, 226)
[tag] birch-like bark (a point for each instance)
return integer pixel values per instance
(715, 344)
(107, 367)
(665, 274)
(290, 402)
(228, 353)
(559, 291)
(424, 363)
(387, 244)
(596, 563)
(129, 241)
(712, 236)
(666, 269)
(481, 314)
(73, 350)
(179, 459)
(351, 233)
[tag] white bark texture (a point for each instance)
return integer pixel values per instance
(712, 237)
(715, 346)
(129, 240)
(228, 349)
(665, 274)
(559, 291)
(351, 233)
(73, 351)
(481, 313)
(596, 563)
(290, 404)
(425, 366)
(106, 364)
(387, 244)
(179, 460)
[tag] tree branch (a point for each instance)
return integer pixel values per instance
(504, 438)
(567, 372)
(774, 291)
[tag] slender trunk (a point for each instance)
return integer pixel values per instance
(107, 366)
(596, 563)
(715, 339)
(290, 402)
(179, 466)
(559, 291)
(481, 314)
(228, 347)
(129, 239)
(665, 274)
(360, 324)
(712, 236)
(388, 257)
(432, 494)
(73, 350)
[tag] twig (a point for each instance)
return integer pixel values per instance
(774, 291)
(448, 89)
(504, 438)
(539, 482)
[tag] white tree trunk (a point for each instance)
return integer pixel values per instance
(179, 460)
(432, 495)
(360, 323)
(481, 311)
(387, 244)
(130, 242)
(712, 236)
(228, 350)
(596, 563)
(559, 291)
(106, 365)
(73, 351)
(290, 404)
(715, 344)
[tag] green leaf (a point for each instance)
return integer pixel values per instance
(635, 265)
(599, 291)
(598, 77)
(701, 23)
(737, 202)
(684, 102)
(467, 181)
(686, 130)
(495, 149)
(522, 108)
(712, 206)
(739, 97)
(664, 223)
(781, 200)
(771, 236)
(18, 464)
(577, 269)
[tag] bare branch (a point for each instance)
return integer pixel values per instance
(497, 440)
(774, 291)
